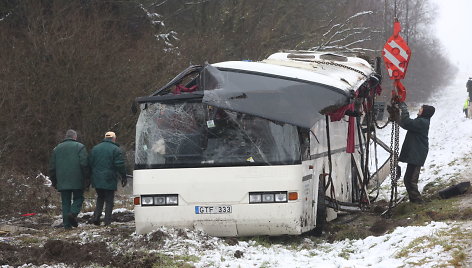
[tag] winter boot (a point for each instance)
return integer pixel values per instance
(73, 219)
(95, 220)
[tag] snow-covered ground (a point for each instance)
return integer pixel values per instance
(381, 251)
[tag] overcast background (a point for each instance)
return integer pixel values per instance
(454, 30)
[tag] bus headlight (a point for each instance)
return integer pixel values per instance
(160, 200)
(255, 198)
(281, 197)
(172, 200)
(147, 201)
(267, 197)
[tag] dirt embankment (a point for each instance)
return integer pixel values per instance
(39, 244)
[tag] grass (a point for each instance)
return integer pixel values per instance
(413, 246)
(289, 241)
(346, 253)
(265, 264)
(351, 233)
(360, 229)
(28, 240)
(458, 258)
(175, 261)
(450, 240)
(262, 241)
(435, 209)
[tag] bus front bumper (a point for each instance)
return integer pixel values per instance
(244, 220)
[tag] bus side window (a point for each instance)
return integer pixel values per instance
(304, 135)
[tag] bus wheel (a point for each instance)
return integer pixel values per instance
(320, 209)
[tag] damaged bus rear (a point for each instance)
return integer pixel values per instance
(251, 148)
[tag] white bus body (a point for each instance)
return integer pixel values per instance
(231, 169)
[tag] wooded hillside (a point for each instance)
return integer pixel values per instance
(80, 64)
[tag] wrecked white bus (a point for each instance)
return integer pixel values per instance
(247, 148)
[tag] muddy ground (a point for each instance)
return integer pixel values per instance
(33, 240)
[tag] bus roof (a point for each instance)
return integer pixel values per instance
(342, 72)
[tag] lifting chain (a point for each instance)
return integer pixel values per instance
(338, 65)
(381, 127)
(394, 171)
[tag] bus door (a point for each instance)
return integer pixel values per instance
(308, 182)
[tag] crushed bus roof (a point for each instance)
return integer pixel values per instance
(298, 88)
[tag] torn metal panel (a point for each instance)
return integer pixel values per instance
(278, 98)
(167, 88)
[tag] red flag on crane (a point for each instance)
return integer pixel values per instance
(396, 55)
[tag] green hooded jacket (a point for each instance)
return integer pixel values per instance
(68, 166)
(107, 163)
(416, 144)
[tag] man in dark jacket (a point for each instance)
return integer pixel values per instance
(68, 171)
(107, 163)
(468, 85)
(415, 147)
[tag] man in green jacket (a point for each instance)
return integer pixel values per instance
(107, 163)
(415, 147)
(68, 171)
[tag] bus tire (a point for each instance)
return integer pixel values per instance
(320, 209)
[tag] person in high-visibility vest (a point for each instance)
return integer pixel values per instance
(465, 109)
(468, 85)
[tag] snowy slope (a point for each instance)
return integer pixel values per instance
(450, 134)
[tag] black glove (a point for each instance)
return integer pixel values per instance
(402, 105)
(394, 113)
(124, 181)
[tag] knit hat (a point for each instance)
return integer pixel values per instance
(110, 134)
(428, 111)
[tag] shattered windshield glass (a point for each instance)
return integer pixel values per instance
(195, 134)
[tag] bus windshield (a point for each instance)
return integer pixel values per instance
(193, 134)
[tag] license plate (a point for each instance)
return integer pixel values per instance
(213, 209)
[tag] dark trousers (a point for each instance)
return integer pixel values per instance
(72, 201)
(410, 179)
(106, 197)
